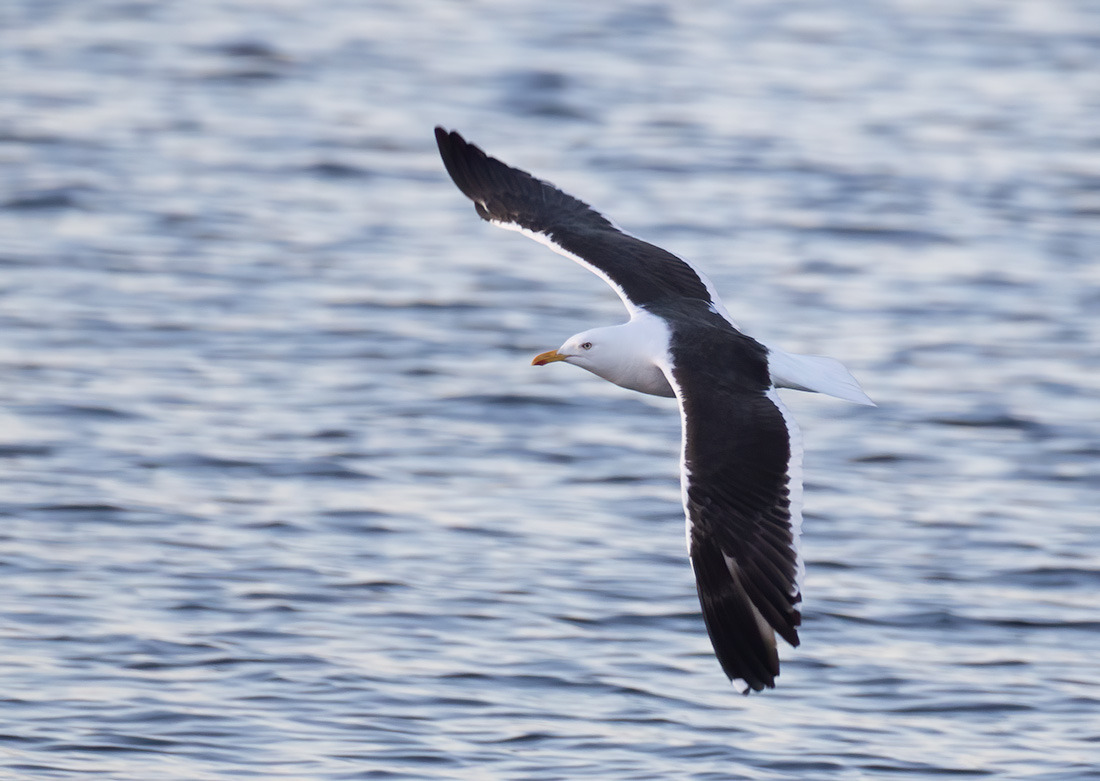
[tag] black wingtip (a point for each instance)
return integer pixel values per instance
(448, 141)
(505, 194)
(745, 647)
(460, 158)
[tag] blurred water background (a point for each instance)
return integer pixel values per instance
(282, 498)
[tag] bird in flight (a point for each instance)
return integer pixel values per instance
(741, 455)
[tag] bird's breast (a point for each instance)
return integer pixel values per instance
(645, 379)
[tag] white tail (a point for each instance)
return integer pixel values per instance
(815, 373)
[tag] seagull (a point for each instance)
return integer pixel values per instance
(741, 454)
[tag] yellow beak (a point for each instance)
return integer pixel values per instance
(549, 357)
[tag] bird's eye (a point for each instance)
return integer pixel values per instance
(586, 346)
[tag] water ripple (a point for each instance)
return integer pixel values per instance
(282, 497)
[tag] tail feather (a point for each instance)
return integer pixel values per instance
(815, 373)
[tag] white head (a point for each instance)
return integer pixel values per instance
(587, 350)
(623, 354)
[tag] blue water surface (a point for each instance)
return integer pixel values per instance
(281, 497)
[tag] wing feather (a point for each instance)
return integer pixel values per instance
(742, 487)
(641, 273)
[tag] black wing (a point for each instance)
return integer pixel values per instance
(742, 481)
(640, 272)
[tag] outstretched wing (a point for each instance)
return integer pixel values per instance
(741, 476)
(639, 272)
